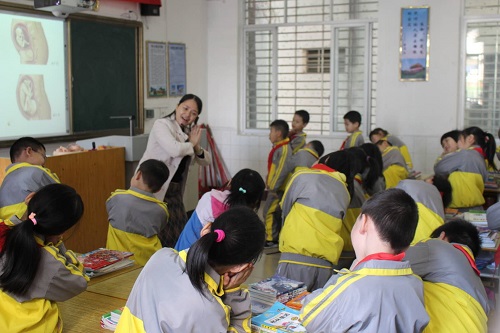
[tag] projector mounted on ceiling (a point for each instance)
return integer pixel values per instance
(62, 8)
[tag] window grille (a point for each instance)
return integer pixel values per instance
(310, 54)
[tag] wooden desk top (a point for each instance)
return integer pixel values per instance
(82, 314)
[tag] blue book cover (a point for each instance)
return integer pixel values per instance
(279, 318)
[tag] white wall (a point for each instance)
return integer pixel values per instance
(420, 112)
(417, 112)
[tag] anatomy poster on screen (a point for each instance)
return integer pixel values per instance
(33, 72)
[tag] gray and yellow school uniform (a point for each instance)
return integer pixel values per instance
(454, 294)
(135, 218)
(59, 277)
(164, 300)
(376, 296)
(20, 180)
(304, 158)
(430, 206)
(278, 171)
(314, 204)
(493, 216)
(395, 141)
(394, 166)
(467, 173)
(297, 141)
(358, 198)
(353, 140)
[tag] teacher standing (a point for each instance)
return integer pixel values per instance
(175, 140)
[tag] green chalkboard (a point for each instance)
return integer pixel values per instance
(105, 66)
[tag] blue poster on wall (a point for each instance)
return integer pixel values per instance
(414, 47)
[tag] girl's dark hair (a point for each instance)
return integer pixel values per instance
(243, 243)
(188, 97)
(57, 207)
(455, 134)
(443, 185)
(343, 162)
(247, 188)
(374, 155)
(366, 166)
(484, 140)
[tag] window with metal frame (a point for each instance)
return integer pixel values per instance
(481, 104)
(314, 55)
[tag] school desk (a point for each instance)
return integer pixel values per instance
(82, 314)
(94, 175)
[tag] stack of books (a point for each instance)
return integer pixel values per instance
(476, 217)
(110, 320)
(488, 238)
(277, 319)
(274, 289)
(296, 302)
(102, 261)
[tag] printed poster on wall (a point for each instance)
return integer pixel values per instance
(157, 69)
(414, 44)
(177, 69)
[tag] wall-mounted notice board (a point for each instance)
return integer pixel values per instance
(106, 75)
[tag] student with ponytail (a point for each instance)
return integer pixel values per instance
(36, 268)
(198, 290)
(467, 168)
(314, 204)
(244, 189)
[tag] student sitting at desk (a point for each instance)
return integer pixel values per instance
(431, 202)
(493, 216)
(455, 298)
(36, 269)
(198, 290)
(394, 163)
(245, 189)
(135, 216)
(314, 204)
(379, 133)
(467, 168)
(380, 294)
(25, 175)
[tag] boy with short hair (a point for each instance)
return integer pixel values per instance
(380, 294)
(297, 135)
(352, 121)
(277, 172)
(455, 298)
(25, 175)
(135, 216)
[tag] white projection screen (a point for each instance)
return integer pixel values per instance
(33, 77)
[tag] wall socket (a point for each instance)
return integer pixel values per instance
(150, 113)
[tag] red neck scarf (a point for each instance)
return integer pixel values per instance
(469, 257)
(271, 153)
(383, 256)
(323, 167)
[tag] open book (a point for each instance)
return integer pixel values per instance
(102, 261)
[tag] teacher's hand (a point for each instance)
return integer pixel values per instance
(194, 138)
